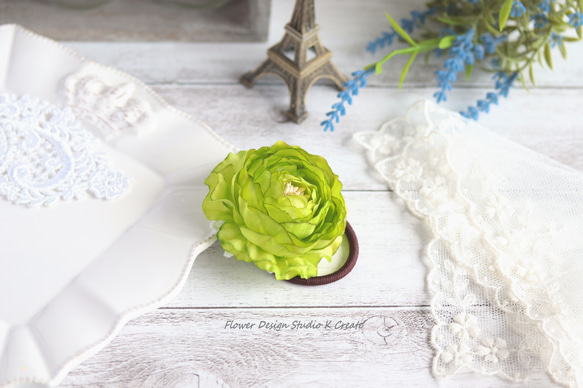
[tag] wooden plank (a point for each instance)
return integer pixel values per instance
(199, 63)
(389, 271)
(542, 119)
(251, 121)
(255, 118)
(186, 343)
(346, 28)
(199, 348)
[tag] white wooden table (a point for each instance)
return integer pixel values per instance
(187, 344)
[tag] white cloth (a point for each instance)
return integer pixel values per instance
(506, 253)
(73, 274)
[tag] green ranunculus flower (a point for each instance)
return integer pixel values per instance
(282, 209)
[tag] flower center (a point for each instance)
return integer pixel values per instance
(293, 190)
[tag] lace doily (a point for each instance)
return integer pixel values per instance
(506, 270)
(46, 156)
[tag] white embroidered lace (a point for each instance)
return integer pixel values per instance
(46, 156)
(505, 256)
(111, 109)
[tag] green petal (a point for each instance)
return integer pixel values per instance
(250, 194)
(218, 204)
(269, 243)
(231, 238)
(299, 229)
(261, 222)
(264, 180)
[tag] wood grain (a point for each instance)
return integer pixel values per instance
(389, 271)
(185, 343)
(190, 348)
(346, 27)
(253, 118)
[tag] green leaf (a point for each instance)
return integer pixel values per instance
(489, 17)
(407, 50)
(411, 50)
(400, 31)
(453, 22)
(522, 79)
(563, 50)
(491, 28)
(505, 13)
(531, 74)
(469, 69)
(446, 41)
(448, 21)
(378, 69)
(428, 45)
(406, 69)
(547, 54)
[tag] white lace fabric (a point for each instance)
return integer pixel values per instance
(47, 156)
(506, 254)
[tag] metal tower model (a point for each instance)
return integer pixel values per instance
(299, 73)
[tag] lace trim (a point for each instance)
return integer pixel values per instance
(478, 236)
(111, 109)
(46, 156)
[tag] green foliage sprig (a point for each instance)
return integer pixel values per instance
(504, 37)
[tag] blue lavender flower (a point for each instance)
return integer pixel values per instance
(408, 25)
(445, 31)
(540, 20)
(576, 19)
(479, 51)
(472, 113)
(421, 16)
(517, 9)
(556, 39)
(503, 85)
(474, 1)
(490, 42)
(352, 88)
(381, 41)
(387, 38)
(460, 54)
(463, 52)
(493, 98)
(545, 6)
(504, 82)
(484, 105)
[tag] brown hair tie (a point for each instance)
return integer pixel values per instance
(342, 271)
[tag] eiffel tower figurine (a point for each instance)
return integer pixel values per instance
(301, 36)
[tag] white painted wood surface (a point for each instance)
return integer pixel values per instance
(186, 343)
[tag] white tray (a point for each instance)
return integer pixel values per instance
(72, 274)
